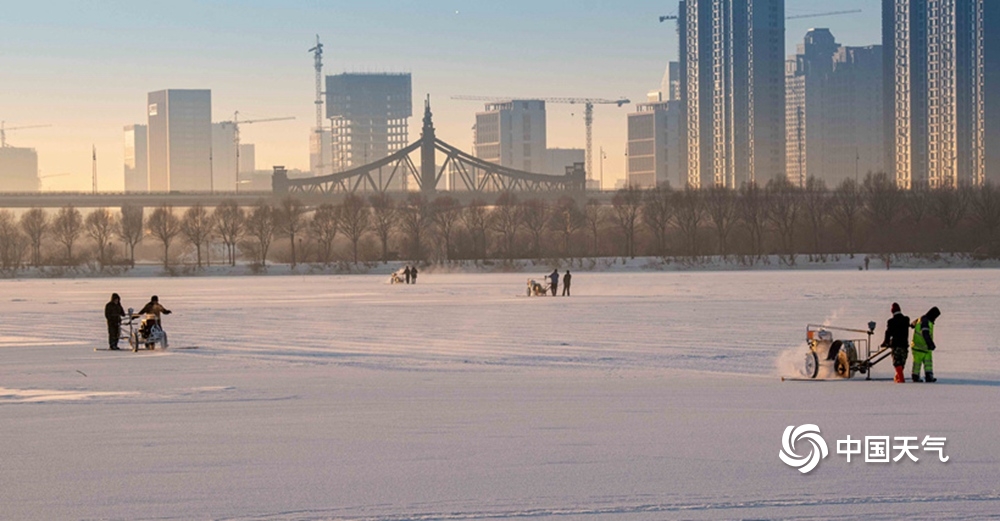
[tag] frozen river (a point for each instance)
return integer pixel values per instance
(643, 396)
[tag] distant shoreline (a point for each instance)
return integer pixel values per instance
(594, 265)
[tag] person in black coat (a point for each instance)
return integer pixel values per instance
(567, 278)
(406, 274)
(413, 274)
(113, 313)
(897, 337)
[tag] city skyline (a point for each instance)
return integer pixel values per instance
(86, 70)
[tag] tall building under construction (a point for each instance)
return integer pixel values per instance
(940, 64)
(369, 118)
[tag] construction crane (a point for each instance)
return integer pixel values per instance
(4, 130)
(795, 17)
(236, 138)
(588, 114)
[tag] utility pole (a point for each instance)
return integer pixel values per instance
(94, 166)
(601, 187)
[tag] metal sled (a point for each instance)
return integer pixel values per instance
(147, 332)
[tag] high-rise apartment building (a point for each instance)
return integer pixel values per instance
(369, 118)
(180, 140)
(991, 59)
(224, 157)
(19, 169)
(937, 63)
(733, 89)
(833, 119)
(655, 145)
(512, 134)
(136, 169)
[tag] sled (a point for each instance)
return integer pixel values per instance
(537, 289)
(148, 332)
(849, 355)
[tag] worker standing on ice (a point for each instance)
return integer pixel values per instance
(897, 337)
(554, 282)
(567, 278)
(113, 313)
(413, 274)
(406, 273)
(923, 345)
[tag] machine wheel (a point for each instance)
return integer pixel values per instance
(812, 364)
(847, 360)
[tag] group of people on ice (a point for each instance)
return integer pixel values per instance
(536, 289)
(407, 276)
(114, 312)
(897, 337)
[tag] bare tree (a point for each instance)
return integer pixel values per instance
(536, 217)
(816, 206)
(290, 220)
(164, 226)
(627, 204)
(883, 201)
(67, 227)
(506, 219)
(130, 228)
(951, 205)
(13, 244)
(846, 210)
(197, 227)
(476, 221)
(657, 211)
(446, 211)
(323, 227)
(355, 219)
(721, 205)
(917, 203)
(985, 208)
(566, 220)
(415, 221)
(689, 213)
(595, 215)
(261, 225)
(783, 212)
(230, 224)
(35, 225)
(100, 226)
(384, 219)
(753, 215)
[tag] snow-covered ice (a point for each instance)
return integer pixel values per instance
(644, 396)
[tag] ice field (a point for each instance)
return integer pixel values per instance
(643, 396)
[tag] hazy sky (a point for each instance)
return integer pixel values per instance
(85, 67)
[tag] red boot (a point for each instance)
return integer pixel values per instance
(900, 379)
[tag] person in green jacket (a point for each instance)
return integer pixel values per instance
(923, 345)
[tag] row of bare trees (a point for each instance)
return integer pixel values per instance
(746, 224)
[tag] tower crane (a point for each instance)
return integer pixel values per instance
(235, 122)
(794, 17)
(588, 115)
(4, 130)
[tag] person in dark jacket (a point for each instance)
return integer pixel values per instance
(554, 282)
(923, 345)
(113, 313)
(413, 274)
(567, 278)
(897, 337)
(407, 273)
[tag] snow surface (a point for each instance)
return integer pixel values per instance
(644, 396)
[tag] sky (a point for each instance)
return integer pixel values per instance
(85, 67)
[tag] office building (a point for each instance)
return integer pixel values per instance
(136, 169)
(223, 157)
(834, 123)
(369, 118)
(180, 140)
(19, 170)
(733, 89)
(938, 65)
(991, 78)
(655, 145)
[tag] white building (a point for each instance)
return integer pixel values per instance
(136, 166)
(655, 154)
(18, 169)
(223, 157)
(180, 140)
(512, 134)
